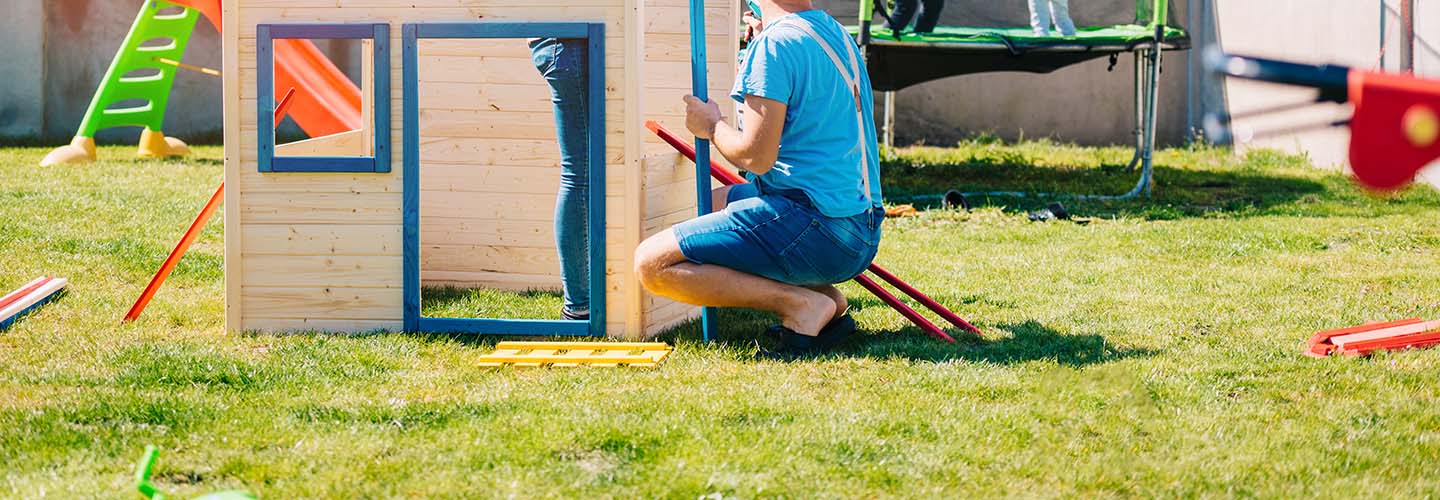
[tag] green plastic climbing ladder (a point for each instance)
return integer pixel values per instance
(136, 88)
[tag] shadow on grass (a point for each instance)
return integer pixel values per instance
(1028, 341)
(1178, 192)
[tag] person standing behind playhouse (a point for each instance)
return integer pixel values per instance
(811, 218)
(1042, 12)
(905, 9)
(562, 63)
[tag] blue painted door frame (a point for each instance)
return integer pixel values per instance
(594, 34)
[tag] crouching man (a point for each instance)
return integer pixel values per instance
(811, 216)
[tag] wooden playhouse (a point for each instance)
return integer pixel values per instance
(451, 177)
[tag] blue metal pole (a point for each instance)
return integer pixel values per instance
(698, 88)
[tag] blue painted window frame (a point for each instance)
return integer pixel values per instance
(265, 35)
(594, 34)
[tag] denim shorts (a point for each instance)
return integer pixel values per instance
(782, 237)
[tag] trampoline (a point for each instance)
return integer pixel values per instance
(899, 60)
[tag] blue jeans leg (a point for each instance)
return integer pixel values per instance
(904, 11)
(562, 63)
(929, 16)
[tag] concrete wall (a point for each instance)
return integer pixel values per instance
(1345, 33)
(23, 70)
(56, 51)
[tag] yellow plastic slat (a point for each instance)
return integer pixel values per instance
(594, 346)
(486, 363)
(573, 354)
(535, 359)
(579, 354)
(549, 357)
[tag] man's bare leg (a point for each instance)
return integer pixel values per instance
(841, 305)
(664, 271)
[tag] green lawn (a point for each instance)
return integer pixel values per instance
(1152, 351)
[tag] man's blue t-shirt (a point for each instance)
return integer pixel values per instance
(818, 148)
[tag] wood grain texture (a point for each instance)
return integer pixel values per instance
(313, 251)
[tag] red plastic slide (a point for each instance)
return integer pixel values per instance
(326, 101)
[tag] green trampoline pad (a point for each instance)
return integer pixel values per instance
(1022, 36)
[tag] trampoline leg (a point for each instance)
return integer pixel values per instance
(889, 120)
(1146, 149)
(1139, 98)
(1152, 112)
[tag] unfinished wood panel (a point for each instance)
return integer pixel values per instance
(316, 223)
(320, 208)
(304, 11)
(350, 143)
(367, 271)
(321, 239)
(493, 232)
(508, 281)
(322, 303)
(498, 259)
(230, 97)
(325, 325)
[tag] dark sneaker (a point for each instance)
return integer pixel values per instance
(835, 332)
(792, 346)
(565, 313)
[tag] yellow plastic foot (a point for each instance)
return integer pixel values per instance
(154, 144)
(80, 150)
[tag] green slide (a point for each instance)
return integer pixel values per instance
(136, 88)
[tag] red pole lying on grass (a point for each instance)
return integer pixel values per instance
(23, 291)
(730, 178)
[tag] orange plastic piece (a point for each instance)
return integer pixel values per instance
(1365, 339)
(327, 102)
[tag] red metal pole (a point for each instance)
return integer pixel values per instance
(924, 300)
(729, 178)
(174, 258)
(904, 310)
(193, 232)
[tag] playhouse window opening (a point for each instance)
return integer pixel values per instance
(505, 140)
(492, 173)
(330, 94)
(317, 89)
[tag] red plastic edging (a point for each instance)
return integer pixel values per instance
(24, 291)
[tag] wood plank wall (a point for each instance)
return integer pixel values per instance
(669, 180)
(323, 251)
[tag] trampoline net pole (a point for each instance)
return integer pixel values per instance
(1137, 79)
(867, 14)
(889, 119)
(1407, 36)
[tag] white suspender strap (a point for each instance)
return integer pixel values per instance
(852, 80)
